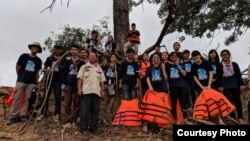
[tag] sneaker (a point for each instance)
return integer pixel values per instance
(40, 117)
(97, 132)
(11, 121)
(23, 118)
(145, 128)
(85, 135)
(68, 125)
(56, 117)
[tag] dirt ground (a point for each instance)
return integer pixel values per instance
(49, 130)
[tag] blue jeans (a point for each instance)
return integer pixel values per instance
(57, 91)
(129, 91)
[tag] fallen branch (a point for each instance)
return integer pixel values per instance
(64, 127)
(232, 119)
(201, 121)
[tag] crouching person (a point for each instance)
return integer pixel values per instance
(90, 87)
(27, 69)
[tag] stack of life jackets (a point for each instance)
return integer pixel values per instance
(156, 108)
(211, 103)
(128, 114)
(9, 99)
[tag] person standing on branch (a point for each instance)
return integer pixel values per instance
(94, 41)
(27, 69)
(90, 88)
(133, 40)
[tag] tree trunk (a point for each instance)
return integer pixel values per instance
(121, 23)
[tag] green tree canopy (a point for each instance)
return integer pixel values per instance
(198, 18)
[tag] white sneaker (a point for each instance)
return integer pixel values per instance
(40, 117)
(56, 117)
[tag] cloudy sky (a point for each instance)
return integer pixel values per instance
(21, 23)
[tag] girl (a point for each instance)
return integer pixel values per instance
(214, 60)
(176, 74)
(165, 57)
(231, 82)
(144, 65)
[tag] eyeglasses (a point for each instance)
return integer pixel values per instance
(224, 54)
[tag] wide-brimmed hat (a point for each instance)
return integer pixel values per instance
(37, 44)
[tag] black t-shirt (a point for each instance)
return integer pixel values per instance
(109, 72)
(202, 72)
(28, 68)
(71, 69)
(91, 42)
(188, 68)
(57, 74)
(110, 47)
(175, 78)
(216, 68)
(129, 72)
(157, 79)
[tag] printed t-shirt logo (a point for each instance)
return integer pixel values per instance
(214, 69)
(174, 73)
(188, 67)
(202, 74)
(156, 75)
(30, 66)
(130, 70)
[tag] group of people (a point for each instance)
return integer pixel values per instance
(183, 75)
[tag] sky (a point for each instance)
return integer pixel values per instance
(22, 23)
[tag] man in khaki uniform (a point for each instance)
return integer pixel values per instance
(90, 87)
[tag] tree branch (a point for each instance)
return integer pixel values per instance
(168, 21)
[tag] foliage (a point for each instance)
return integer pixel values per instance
(77, 36)
(198, 18)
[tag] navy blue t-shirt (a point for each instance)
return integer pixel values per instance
(157, 80)
(71, 69)
(109, 72)
(57, 74)
(188, 68)
(202, 72)
(28, 68)
(231, 81)
(216, 68)
(175, 78)
(129, 72)
(91, 42)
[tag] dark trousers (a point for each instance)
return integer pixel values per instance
(72, 103)
(178, 93)
(144, 85)
(57, 91)
(248, 108)
(190, 93)
(129, 91)
(233, 95)
(89, 112)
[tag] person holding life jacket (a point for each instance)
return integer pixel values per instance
(231, 83)
(202, 72)
(27, 69)
(133, 40)
(144, 65)
(176, 78)
(203, 75)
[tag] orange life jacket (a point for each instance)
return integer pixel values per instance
(211, 103)
(144, 66)
(133, 38)
(9, 99)
(128, 114)
(156, 107)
